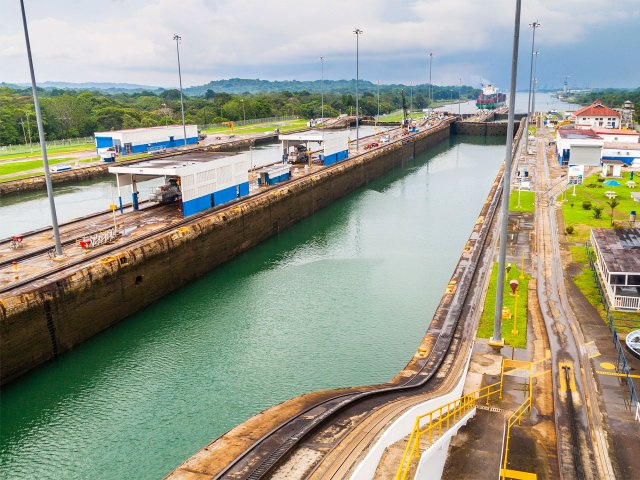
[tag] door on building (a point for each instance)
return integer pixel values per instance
(172, 142)
(127, 148)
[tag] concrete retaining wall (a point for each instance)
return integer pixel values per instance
(56, 315)
(491, 129)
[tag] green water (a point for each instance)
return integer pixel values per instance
(340, 299)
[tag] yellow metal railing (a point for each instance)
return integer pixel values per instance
(515, 417)
(441, 419)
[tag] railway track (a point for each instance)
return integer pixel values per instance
(266, 454)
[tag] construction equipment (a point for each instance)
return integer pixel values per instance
(230, 125)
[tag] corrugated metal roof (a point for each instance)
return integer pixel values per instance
(620, 248)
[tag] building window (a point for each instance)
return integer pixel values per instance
(618, 280)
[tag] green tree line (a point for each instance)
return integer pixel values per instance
(79, 113)
(611, 97)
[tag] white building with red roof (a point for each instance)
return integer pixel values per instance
(597, 115)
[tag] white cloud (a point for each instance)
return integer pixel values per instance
(131, 41)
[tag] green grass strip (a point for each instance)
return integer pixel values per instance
(485, 329)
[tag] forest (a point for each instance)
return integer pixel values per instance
(611, 97)
(79, 113)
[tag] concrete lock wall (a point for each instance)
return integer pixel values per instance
(40, 324)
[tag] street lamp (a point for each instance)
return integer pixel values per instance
(533, 25)
(184, 127)
(378, 104)
(322, 88)
(43, 144)
(244, 115)
(430, 92)
(497, 340)
(535, 82)
(459, 88)
(358, 32)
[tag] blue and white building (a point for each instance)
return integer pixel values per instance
(203, 182)
(142, 140)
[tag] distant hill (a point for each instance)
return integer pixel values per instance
(105, 87)
(245, 85)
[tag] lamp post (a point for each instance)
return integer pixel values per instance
(378, 105)
(430, 91)
(535, 83)
(459, 88)
(322, 88)
(358, 32)
(244, 115)
(177, 38)
(533, 25)
(43, 144)
(497, 340)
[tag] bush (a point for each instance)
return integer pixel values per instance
(600, 179)
(569, 230)
(586, 204)
(597, 212)
(592, 185)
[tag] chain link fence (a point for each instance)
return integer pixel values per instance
(35, 146)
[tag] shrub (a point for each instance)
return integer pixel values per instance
(601, 179)
(592, 185)
(586, 204)
(597, 211)
(569, 229)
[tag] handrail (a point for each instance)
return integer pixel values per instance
(455, 410)
(515, 417)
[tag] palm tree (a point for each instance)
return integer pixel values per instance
(613, 203)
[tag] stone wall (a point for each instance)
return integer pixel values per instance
(56, 315)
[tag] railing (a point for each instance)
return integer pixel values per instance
(35, 146)
(622, 365)
(621, 301)
(441, 419)
(515, 417)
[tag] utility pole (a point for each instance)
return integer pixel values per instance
(459, 88)
(535, 83)
(533, 25)
(184, 127)
(358, 32)
(497, 340)
(43, 144)
(322, 88)
(378, 103)
(430, 85)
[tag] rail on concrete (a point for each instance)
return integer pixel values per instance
(441, 423)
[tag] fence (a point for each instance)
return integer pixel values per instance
(252, 121)
(35, 146)
(622, 365)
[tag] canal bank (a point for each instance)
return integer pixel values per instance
(138, 399)
(43, 319)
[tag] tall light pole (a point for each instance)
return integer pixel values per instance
(322, 88)
(430, 92)
(378, 103)
(533, 25)
(43, 144)
(184, 127)
(358, 32)
(497, 340)
(459, 89)
(244, 115)
(535, 82)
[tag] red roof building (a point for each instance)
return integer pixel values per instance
(597, 115)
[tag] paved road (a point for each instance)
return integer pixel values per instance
(582, 447)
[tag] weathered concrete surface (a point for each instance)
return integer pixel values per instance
(490, 129)
(37, 324)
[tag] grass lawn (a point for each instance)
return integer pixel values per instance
(50, 151)
(261, 127)
(582, 220)
(485, 329)
(17, 167)
(527, 201)
(397, 116)
(585, 282)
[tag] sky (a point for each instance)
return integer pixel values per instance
(593, 42)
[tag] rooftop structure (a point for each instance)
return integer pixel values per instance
(197, 183)
(618, 265)
(142, 140)
(597, 115)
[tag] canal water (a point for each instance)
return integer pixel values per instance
(339, 299)
(30, 210)
(544, 102)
